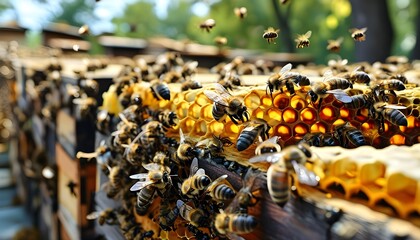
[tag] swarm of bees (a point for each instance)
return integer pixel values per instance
(145, 163)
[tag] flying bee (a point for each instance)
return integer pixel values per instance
(231, 224)
(83, 30)
(244, 197)
(160, 90)
(208, 24)
(358, 34)
(255, 128)
(303, 40)
(382, 111)
(190, 84)
(240, 12)
(186, 150)
(335, 45)
(231, 79)
(319, 139)
(268, 146)
(348, 135)
(287, 79)
(226, 104)
(271, 34)
(195, 216)
(330, 85)
(380, 86)
(108, 216)
(219, 190)
(220, 41)
(198, 180)
(290, 160)
(357, 76)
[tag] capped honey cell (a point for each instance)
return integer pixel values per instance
(194, 110)
(190, 96)
(200, 128)
(298, 103)
(202, 99)
(182, 109)
(216, 127)
(372, 173)
(281, 101)
(205, 112)
(328, 113)
(252, 100)
(290, 115)
(187, 124)
(402, 188)
(179, 97)
(309, 115)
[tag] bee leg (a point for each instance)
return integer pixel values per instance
(233, 119)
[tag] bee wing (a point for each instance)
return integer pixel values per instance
(139, 176)
(308, 34)
(201, 171)
(181, 136)
(184, 209)
(328, 74)
(305, 176)
(352, 30)
(140, 185)
(233, 236)
(340, 95)
(363, 30)
(216, 97)
(285, 69)
(93, 215)
(194, 166)
(395, 106)
(250, 176)
(266, 157)
(152, 166)
(222, 91)
(356, 69)
(273, 139)
(344, 62)
(340, 40)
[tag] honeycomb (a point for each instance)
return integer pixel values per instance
(372, 173)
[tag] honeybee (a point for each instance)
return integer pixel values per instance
(231, 79)
(360, 101)
(103, 122)
(85, 107)
(83, 30)
(108, 216)
(240, 12)
(382, 111)
(303, 40)
(271, 34)
(244, 197)
(230, 224)
(319, 139)
(348, 135)
(157, 175)
(167, 118)
(290, 160)
(197, 181)
(380, 86)
(167, 216)
(268, 146)
(197, 232)
(286, 78)
(208, 24)
(397, 60)
(189, 68)
(357, 76)
(195, 216)
(190, 84)
(213, 146)
(115, 184)
(219, 190)
(339, 65)
(151, 134)
(335, 45)
(358, 34)
(330, 85)
(220, 41)
(400, 77)
(225, 103)
(160, 90)
(255, 128)
(186, 150)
